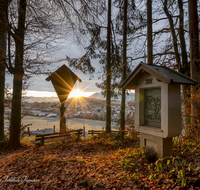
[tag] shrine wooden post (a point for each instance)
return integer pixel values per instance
(63, 81)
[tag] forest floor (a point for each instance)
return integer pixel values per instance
(99, 163)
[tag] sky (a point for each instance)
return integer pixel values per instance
(39, 87)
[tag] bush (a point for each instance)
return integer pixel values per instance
(150, 154)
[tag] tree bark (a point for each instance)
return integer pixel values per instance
(123, 101)
(185, 68)
(177, 55)
(3, 18)
(15, 125)
(108, 94)
(194, 39)
(149, 33)
(194, 56)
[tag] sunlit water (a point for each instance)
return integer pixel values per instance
(46, 122)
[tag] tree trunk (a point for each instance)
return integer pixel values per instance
(194, 56)
(3, 18)
(108, 94)
(123, 102)
(194, 39)
(185, 69)
(149, 33)
(185, 66)
(15, 125)
(177, 55)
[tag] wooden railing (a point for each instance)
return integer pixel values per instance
(44, 138)
(96, 132)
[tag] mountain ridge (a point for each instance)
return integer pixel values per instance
(95, 96)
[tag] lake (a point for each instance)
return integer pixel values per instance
(46, 122)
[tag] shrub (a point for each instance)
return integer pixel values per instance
(150, 154)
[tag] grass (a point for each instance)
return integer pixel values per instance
(27, 140)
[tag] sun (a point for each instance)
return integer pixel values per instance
(76, 94)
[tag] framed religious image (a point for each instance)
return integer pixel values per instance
(152, 107)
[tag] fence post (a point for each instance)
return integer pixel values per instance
(29, 132)
(66, 128)
(92, 132)
(78, 134)
(84, 131)
(42, 140)
(54, 130)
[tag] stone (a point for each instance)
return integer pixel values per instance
(163, 146)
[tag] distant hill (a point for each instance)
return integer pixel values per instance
(70, 101)
(96, 97)
(129, 97)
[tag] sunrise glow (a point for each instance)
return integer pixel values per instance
(78, 93)
(75, 93)
(34, 93)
